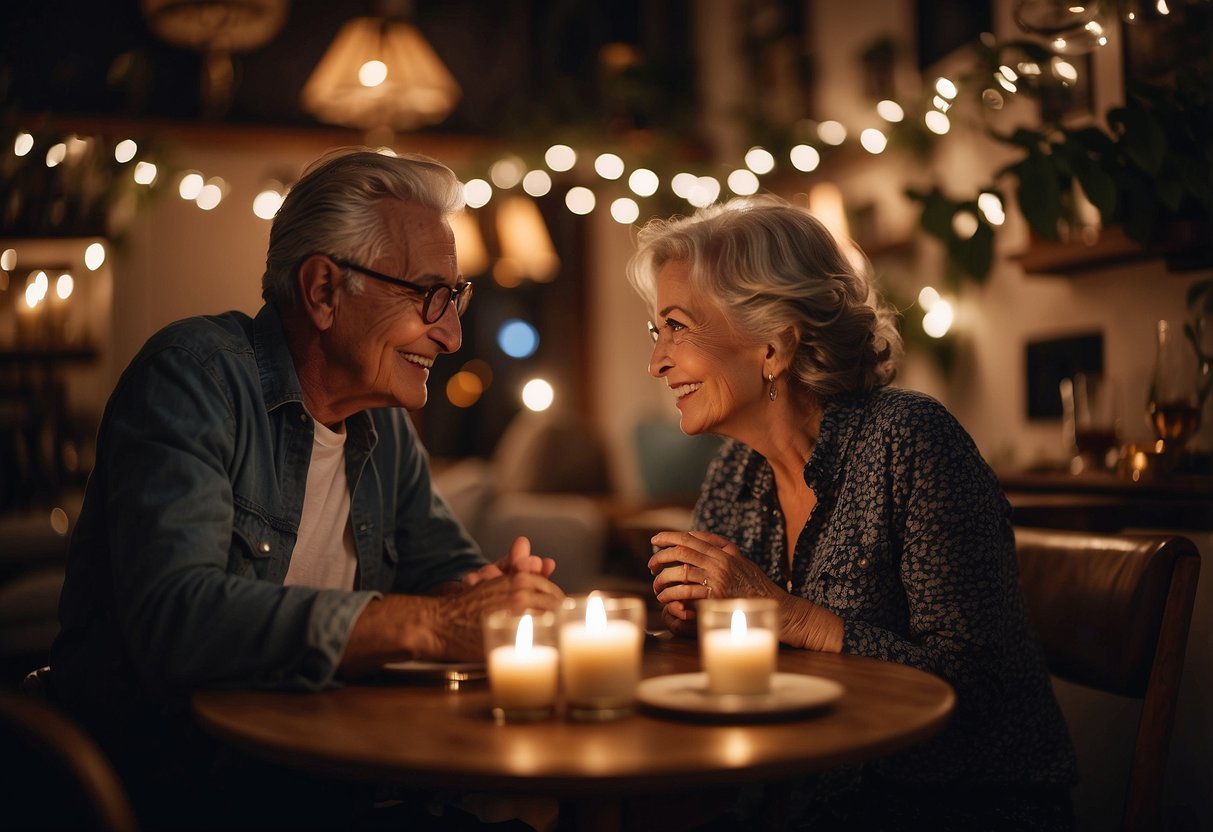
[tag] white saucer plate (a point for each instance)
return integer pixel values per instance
(687, 693)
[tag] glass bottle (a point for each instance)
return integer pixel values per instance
(1174, 400)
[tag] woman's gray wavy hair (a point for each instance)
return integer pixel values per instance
(332, 209)
(768, 265)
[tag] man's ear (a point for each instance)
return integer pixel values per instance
(319, 292)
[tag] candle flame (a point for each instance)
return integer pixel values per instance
(738, 624)
(595, 614)
(525, 636)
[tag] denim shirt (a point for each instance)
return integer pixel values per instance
(175, 569)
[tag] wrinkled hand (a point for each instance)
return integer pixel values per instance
(459, 630)
(690, 566)
(519, 560)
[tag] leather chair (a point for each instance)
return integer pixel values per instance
(56, 775)
(1112, 612)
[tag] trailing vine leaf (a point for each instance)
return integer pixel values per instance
(974, 256)
(937, 211)
(1080, 148)
(1039, 193)
(1141, 136)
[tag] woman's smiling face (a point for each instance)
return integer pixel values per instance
(715, 376)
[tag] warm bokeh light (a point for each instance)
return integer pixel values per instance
(832, 132)
(190, 185)
(526, 246)
(8, 259)
(938, 319)
(144, 173)
(946, 88)
(805, 157)
(517, 338)
(59, 521)
(267, 203)
(643, 182)
(704, 192)
(580, 200)
(64, 285)
(560, 157)
(477, 193)
(743, 182)
(682, 183)
(212, 194)
(94, 256)
(937, 122)
(759, 160)
(125, 150)
(873, 140)
(625, 211)
(537, 183)
(537, 394)
(1064, 70)
(507, 172)
(928, 297)
(990, 205)
(481, 369)
(464, 389)
(890, 111)
(372, 73)
(23, 144)
(964, 224)
(609, 166)
(56, 154)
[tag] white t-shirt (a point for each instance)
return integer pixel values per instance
(324, 553)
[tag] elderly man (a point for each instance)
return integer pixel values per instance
(261, 512)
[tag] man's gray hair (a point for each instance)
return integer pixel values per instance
(333, 209)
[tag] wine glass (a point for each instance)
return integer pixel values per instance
(1174, 401)
(1089, 405)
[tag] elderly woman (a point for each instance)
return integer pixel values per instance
(865, 511)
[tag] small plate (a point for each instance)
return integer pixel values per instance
(437, 671)
(687, 693)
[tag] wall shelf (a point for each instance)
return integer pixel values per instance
(1185, 247)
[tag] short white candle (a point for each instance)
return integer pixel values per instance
(523, 677)
(600, 658)
(740, 659)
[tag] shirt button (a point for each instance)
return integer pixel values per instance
(303, 418)
(264, 547)
(863, 563)
(362, 527)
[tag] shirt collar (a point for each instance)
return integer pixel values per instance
(279, 381)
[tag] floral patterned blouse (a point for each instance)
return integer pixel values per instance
(911, 544)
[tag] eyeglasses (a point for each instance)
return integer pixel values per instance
(434, 298)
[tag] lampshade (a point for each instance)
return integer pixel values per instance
(380, 73)
(526, 247)
(470, 252)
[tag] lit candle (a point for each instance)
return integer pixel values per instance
(739, 659)
(523, 675)
(600, 658)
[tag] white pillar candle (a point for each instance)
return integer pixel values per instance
(523, 676)
(740, 659)
(600, 658)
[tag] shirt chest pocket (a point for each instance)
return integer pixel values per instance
(258, 549)
(851, 579)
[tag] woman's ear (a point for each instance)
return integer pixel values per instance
(318, 290)
(782, 351)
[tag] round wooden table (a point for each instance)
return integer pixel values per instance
(429, 735)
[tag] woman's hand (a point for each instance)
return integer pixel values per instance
(690, 566)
